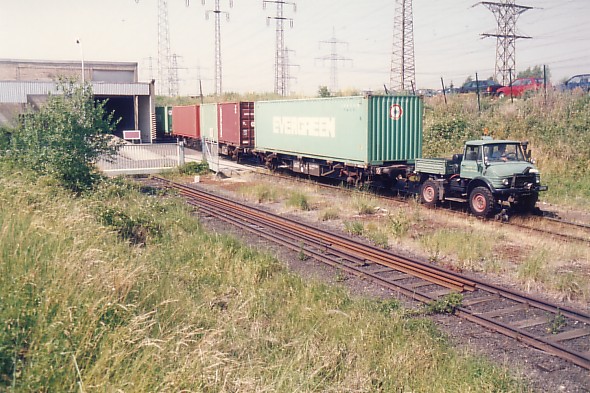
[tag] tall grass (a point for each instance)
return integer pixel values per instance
(471, 250)
(85, 309)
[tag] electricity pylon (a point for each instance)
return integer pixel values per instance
(506, 13)
(403, 68)
(281, 71)
(218, 69)
(334, 58)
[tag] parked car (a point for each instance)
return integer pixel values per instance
(578, 81)
(520, 87)
(486, 87)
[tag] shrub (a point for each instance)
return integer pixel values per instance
(65, 137)
(194, 168)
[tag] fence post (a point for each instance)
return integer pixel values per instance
(180, 153)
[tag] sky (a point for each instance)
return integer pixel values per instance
(447, 39)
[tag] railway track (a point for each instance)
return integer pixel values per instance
(560, 331)
(547, 223)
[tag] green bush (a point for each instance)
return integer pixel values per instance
(194, 168)
(65, 137)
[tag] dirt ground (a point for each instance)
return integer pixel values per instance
(542, 372)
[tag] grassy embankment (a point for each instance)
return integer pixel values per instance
(122, 292)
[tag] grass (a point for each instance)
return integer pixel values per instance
(354, 227)
(534, 268)
(471, 250)
(191, 310)
(262, 193)
(364, 204)
(298, 200)
(329, 214)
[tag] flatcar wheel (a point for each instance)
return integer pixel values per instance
(481, 202)
(429, 193)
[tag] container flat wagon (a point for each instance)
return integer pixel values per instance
(353, 138)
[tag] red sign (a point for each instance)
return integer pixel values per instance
(396, 111)
(132, 134)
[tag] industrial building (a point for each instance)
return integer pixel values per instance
(25, 84)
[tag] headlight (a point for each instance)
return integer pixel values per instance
(506, 182)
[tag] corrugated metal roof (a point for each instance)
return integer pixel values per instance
(17, 91)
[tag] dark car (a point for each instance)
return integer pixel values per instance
(486, 87)
(578, 81)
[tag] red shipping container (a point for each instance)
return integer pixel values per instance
(236, 124)
(185, 121)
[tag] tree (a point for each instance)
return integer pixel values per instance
(65, 137)
(324, 92)
(535, 72)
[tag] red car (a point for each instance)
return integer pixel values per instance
(520, 86)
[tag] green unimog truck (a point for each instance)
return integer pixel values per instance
(492, 175)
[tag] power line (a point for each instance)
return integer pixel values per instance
(281, 72)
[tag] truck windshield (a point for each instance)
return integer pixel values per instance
(504, 152)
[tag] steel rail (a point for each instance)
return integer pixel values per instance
(281, 228)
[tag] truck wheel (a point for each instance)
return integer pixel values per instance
(429, 193)
(481, 202)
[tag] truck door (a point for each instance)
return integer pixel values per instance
(472, 162)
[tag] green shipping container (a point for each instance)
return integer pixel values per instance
(371, 130)
(209, 123)
(163, 120)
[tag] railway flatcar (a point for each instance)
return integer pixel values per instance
(356, 139)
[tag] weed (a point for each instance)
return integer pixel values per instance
(398, 223)
(389, 306)
(329, 214)
(556, 323)
(470, 248)
(534, 267)
(263, 193)
(570, 285)
(341, 276)
(377, 235)
(302, 256)
(354, 227)
(364, 205)
(446, 304)
(299, 201)
(194, 168)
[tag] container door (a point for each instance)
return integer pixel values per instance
(247, 125)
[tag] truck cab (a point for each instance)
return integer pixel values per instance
(490, 174)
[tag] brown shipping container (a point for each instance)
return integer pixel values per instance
(185, 121)
(236, 124)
